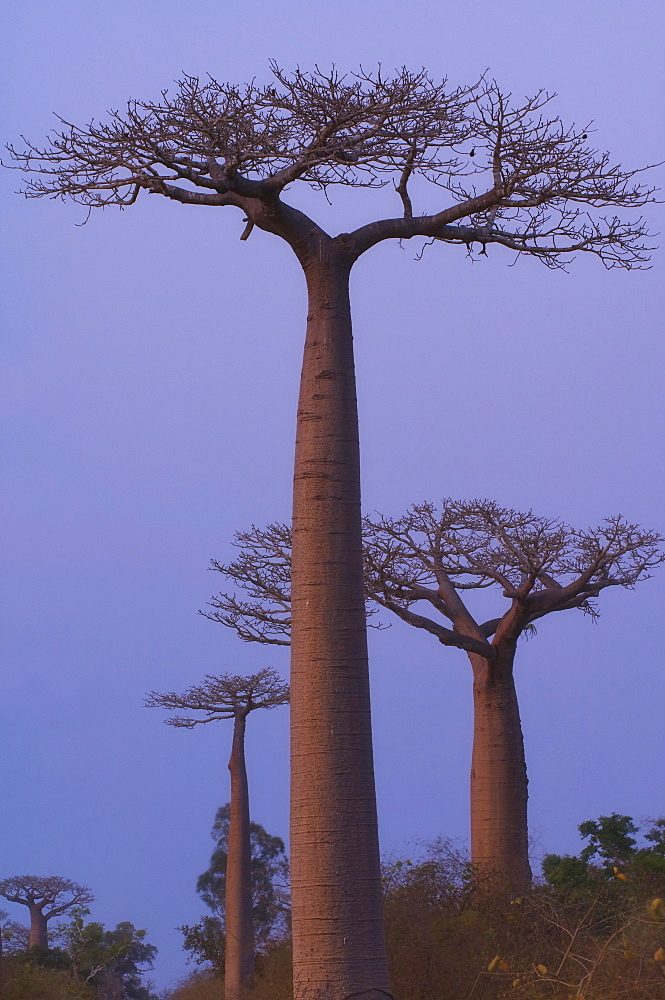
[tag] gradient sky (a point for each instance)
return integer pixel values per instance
(150, 367)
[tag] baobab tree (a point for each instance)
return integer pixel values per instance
(232, 697)
(433, 557)
(500, 173)
(45, 898)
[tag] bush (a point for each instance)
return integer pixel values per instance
(589, 934)
(588, 931)
(35, 982)
(273, 979)
(198, 986)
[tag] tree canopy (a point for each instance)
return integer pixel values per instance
(518, 175)
(112, 960)
(226, 696)
(434, 555)
(13, 935)
(613, 853)
(52, 895)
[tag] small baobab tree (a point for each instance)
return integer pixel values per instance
(499, 173)
(433, 557)
(45, 897)
(231, 697)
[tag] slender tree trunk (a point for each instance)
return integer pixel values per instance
(499, 833)
(338, 941)
(239, 951)
(38, 930)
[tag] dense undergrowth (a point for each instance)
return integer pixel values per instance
(593, 929)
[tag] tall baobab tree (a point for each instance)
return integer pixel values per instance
(434, 557)
(45, 898)
(504, 173)
(232, 697)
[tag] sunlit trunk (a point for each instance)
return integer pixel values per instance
(239, 951)
(338, 941)
(499, 834)
(38, 929)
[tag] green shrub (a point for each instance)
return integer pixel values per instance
(35, 982)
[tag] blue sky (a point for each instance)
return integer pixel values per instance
(150, 366)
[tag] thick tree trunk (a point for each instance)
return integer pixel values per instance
(239, 950)
(38, 930)
(499, 833)
(338, 941)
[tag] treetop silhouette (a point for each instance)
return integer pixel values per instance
(227, 696)
(541, 564)
(520, 176)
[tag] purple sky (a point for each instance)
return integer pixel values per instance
(150, 366)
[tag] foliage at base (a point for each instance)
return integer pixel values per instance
(592, 929)
(34, 982)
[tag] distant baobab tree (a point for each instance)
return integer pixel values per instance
(45, 897)
(232, 697)
(433, 557)
(500, 173)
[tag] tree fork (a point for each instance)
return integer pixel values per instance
(339, 949)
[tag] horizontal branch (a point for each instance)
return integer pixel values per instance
(614, 250)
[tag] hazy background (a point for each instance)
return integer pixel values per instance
(150, 367)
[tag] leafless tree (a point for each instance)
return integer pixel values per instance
(232, 697)
(45, 898)
(13, 937)
(498, 172)
(432, 557)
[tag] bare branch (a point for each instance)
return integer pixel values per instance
(226, 696)
(445, 636)
(435, 555)
(263, 571)
(511, 173)
(56, 893)
(401, 188)
(541, 564)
